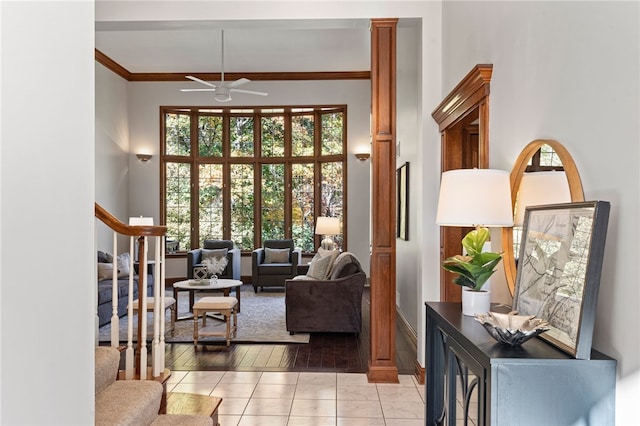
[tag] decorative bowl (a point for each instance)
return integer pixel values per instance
(512, 329)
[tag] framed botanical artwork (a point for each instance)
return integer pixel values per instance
(559, 270)
(402, 195)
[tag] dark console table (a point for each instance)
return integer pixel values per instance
(534, 384)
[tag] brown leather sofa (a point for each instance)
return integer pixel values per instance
(333, 305)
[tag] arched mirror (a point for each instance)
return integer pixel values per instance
(549, 162)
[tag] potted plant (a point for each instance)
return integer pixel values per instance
(474, 269)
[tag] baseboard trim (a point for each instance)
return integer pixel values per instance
(413, 336)
(419, 372)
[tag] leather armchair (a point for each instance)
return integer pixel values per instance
(231, 271)
(274, 274)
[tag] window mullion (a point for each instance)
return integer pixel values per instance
(195, 179)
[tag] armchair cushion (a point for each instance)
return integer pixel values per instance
(274, 255)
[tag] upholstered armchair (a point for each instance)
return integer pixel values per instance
(274, 263)
(216, 248)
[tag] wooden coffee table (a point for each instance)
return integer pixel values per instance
(224, 285)
(192, 403)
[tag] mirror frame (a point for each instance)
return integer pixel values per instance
(575, 189)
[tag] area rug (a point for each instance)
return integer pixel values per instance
(261, 320)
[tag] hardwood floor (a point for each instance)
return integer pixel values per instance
(326, 352)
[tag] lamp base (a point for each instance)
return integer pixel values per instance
(328, 244)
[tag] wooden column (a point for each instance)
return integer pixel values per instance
(382, 364)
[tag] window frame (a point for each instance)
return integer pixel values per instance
(226, 160)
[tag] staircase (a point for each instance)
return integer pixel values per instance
(136, 359)
(132, 402)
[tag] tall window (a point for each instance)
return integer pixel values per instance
(252, 174)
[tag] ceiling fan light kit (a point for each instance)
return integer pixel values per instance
(222, 92)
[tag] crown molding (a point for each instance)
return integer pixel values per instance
(254, 76)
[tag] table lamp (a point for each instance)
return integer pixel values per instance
(327, 226)
(480, 198)
(475, 197)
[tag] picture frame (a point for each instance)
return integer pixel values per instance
(402, 196)
(559, 268)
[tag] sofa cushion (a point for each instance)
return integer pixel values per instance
(272, 255)
(105, 271)
(345, 264)
(214, 253)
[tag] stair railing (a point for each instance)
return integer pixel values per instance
(136, 360)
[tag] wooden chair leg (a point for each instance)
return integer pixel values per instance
(227, 317)
(195, 327)
(235, 323)
(174, 315)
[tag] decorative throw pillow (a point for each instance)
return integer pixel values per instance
(123, 265)
(200, 272)
(210, 253)
(319, 267)
(105, 271)
(327, 253)
(104, 257)
(272, 255)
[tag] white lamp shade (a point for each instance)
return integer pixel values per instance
(140, 221)
(327, 226)
(541, 188)
(475, 197)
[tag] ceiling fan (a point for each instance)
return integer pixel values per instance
(222, 91)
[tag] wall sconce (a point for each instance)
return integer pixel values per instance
(362, 156)
(144, 157)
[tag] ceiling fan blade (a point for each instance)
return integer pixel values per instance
(196, 79)
(251, 92)
(238, 82)
(197, 90)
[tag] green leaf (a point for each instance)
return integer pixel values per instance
(473, 270)
(474, 241)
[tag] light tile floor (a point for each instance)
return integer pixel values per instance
(283, 398)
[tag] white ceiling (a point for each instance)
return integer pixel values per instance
(250, 46)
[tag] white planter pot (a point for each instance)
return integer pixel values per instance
(475, 302)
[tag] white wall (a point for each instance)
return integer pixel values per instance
(47, 253)
(111, 153)
(569, 71)
(408, 251)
